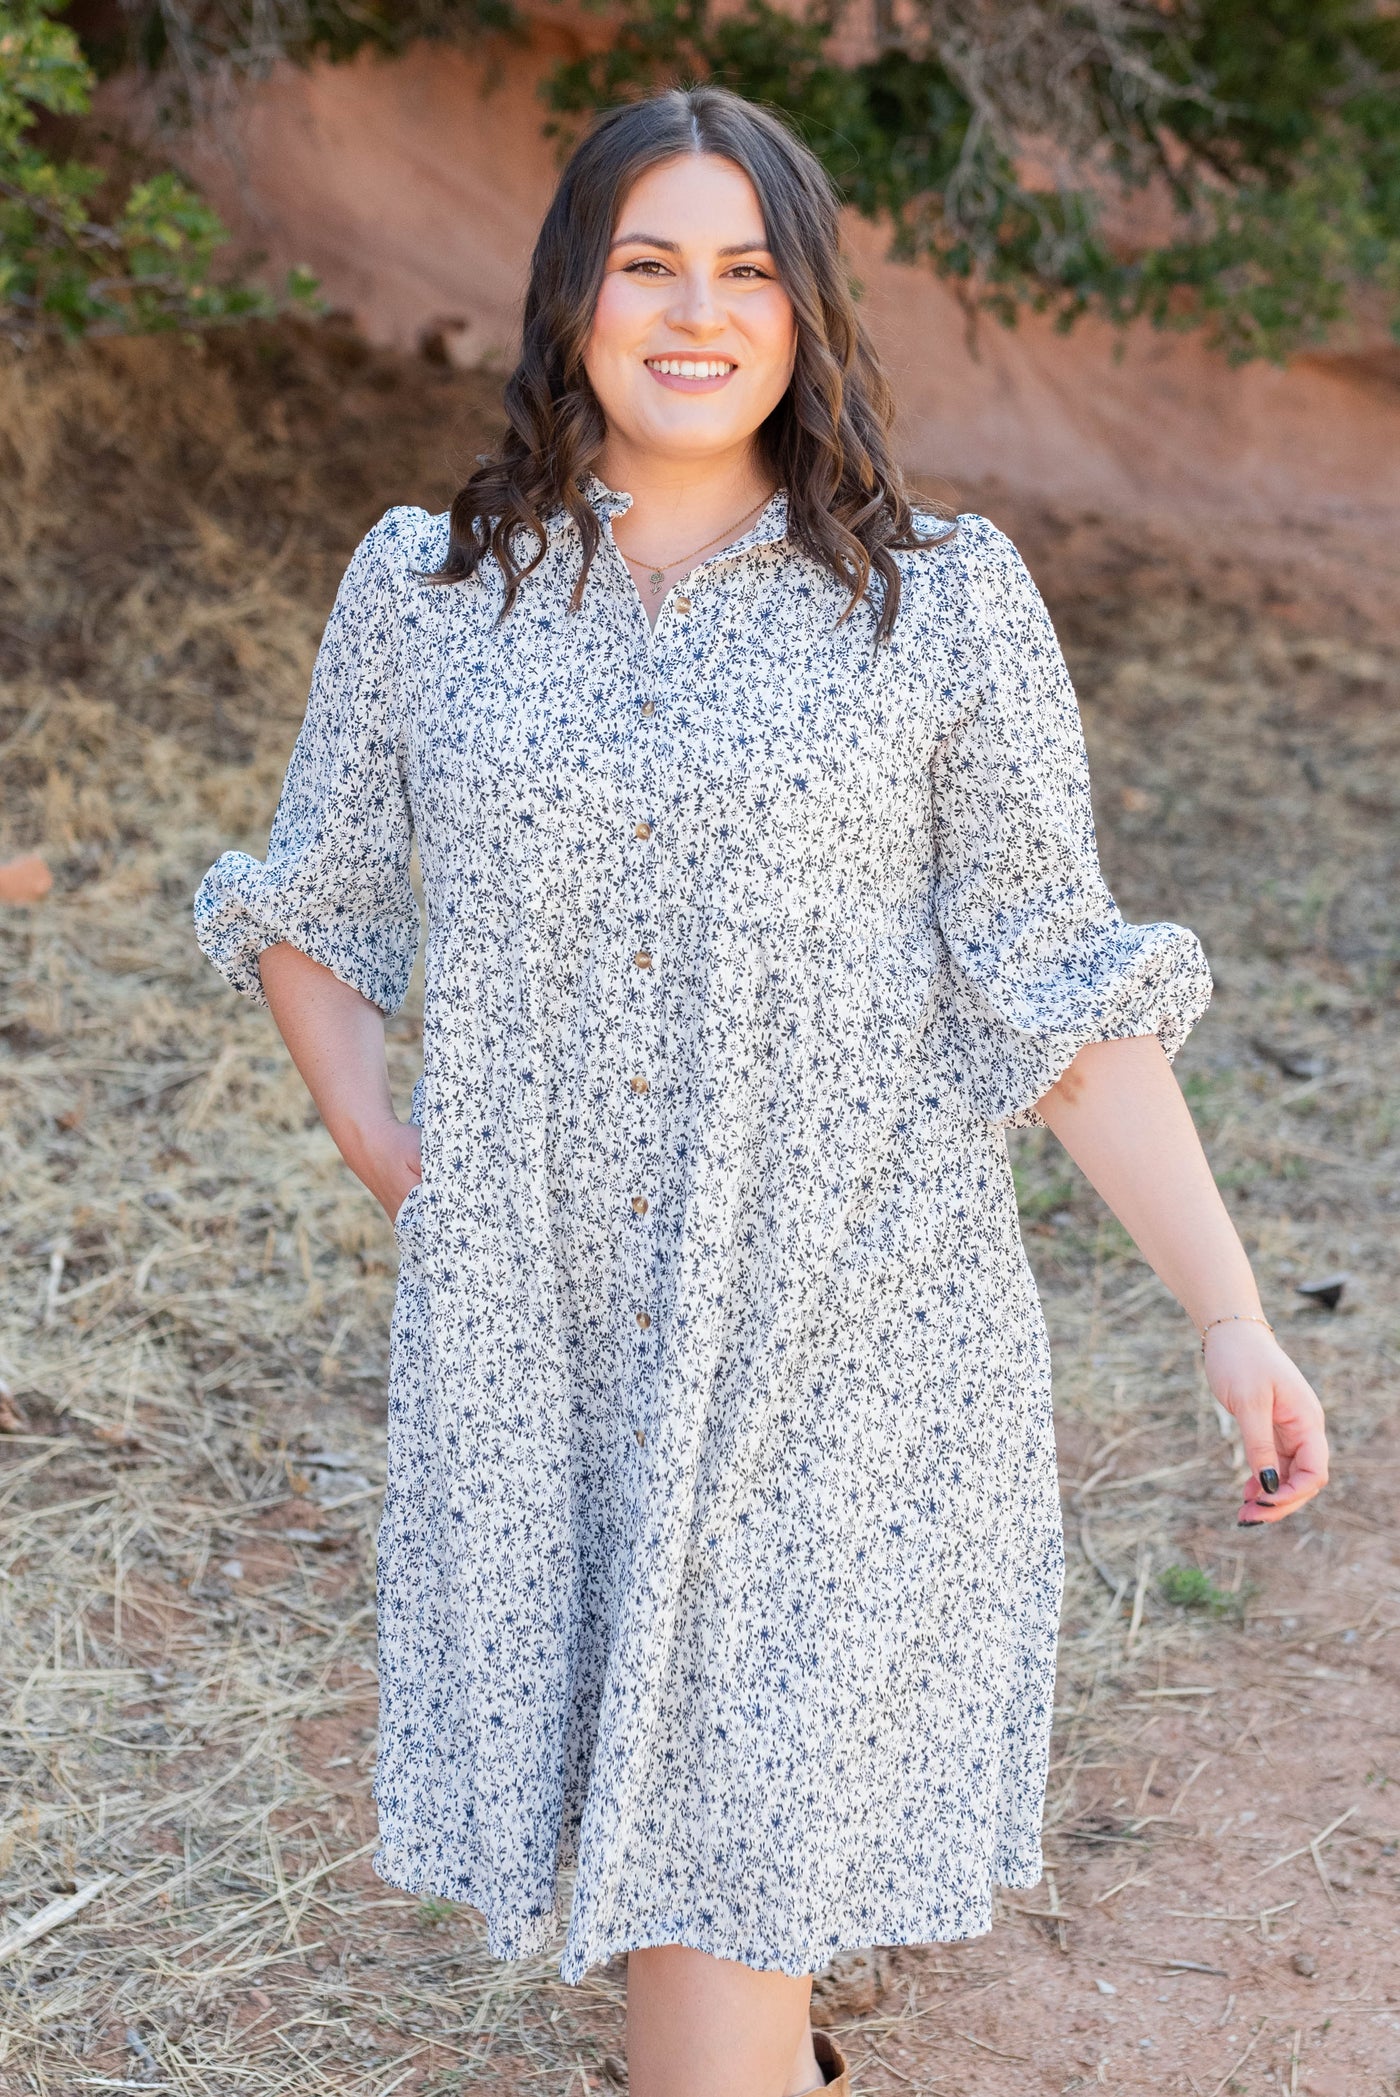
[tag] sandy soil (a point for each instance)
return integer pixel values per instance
(193, 1302)
(1213, 1941)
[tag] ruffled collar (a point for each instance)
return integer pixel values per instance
(607, 503)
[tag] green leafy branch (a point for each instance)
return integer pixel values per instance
(65, 268)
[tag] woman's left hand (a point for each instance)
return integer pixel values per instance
(1280, 1419)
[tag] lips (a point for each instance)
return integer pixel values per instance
(691, 367)
(692, 374)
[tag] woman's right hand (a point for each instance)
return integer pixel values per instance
(389, 1159)
(336, 1039)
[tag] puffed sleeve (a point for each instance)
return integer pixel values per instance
(1041, 960)
(335, 882)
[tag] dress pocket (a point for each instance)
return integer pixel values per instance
(404, 1213)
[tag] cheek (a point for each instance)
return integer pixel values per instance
(614, 323)
(775, 338)
(605, 359)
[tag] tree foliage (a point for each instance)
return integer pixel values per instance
(1003, 142)
(68, 267)
(1001, 138)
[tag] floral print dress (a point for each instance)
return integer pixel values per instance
(721, 1553)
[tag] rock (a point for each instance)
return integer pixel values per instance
(460, 342)
(851, 1986)
(24, 880)
(1294, 1063)
(1327, 1293)
(615, 2070)
(1303, 1962)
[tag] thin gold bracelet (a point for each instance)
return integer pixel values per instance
(1229, 1318)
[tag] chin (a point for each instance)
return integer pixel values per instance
(695, 438)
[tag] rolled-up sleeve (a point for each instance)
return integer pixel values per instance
(335, 881)
(1040, 958)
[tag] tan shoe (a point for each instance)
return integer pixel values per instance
(832, 2062)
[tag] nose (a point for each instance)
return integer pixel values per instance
(693, 309)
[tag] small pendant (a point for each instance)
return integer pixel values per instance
(657, 578)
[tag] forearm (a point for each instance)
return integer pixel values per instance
(1120, 1114)
(336, 1039)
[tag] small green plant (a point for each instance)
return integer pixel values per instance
(74, 261)
(1187, 1587)
(432, 1913)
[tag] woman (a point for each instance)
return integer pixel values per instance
(721, 1552)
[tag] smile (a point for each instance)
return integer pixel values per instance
(691, 374)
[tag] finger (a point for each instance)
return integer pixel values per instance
(1256, 1513)
(1307, 1475)
(1256, 1425)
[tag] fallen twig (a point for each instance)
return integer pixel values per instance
(1313, 1843)
(52, 1917)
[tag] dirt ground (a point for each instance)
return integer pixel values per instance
(194, 1298)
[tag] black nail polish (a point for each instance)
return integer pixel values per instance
(1268, 1478)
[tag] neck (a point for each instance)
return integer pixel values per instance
(680, 499)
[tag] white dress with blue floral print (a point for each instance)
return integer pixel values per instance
(721, 1553)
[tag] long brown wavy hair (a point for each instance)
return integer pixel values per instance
(828, 440)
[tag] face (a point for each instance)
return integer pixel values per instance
(693, 338)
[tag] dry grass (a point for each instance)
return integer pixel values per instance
(196, 1296)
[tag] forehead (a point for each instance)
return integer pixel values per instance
(697, 199)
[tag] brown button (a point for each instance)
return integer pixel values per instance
(640, 1085)
(640, 1204)
(643, 831)
(648, 706)
(641, 1434)
(682, 605)
(642, 958)
(644, 1319)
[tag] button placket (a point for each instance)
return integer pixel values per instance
(640, 961)
(641, 964)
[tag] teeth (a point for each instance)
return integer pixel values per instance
(691, 367)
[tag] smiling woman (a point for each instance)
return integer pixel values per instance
(697, 312)
(721, 1549)
(693, 230)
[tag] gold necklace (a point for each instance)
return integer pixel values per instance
(658, 574)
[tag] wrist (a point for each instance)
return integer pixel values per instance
(1224, 1321)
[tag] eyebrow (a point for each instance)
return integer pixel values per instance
(673, 247)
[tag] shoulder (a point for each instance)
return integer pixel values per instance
(407, 541)
(383, 588)
(947, 579)
(967, 545)
(969, 570)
